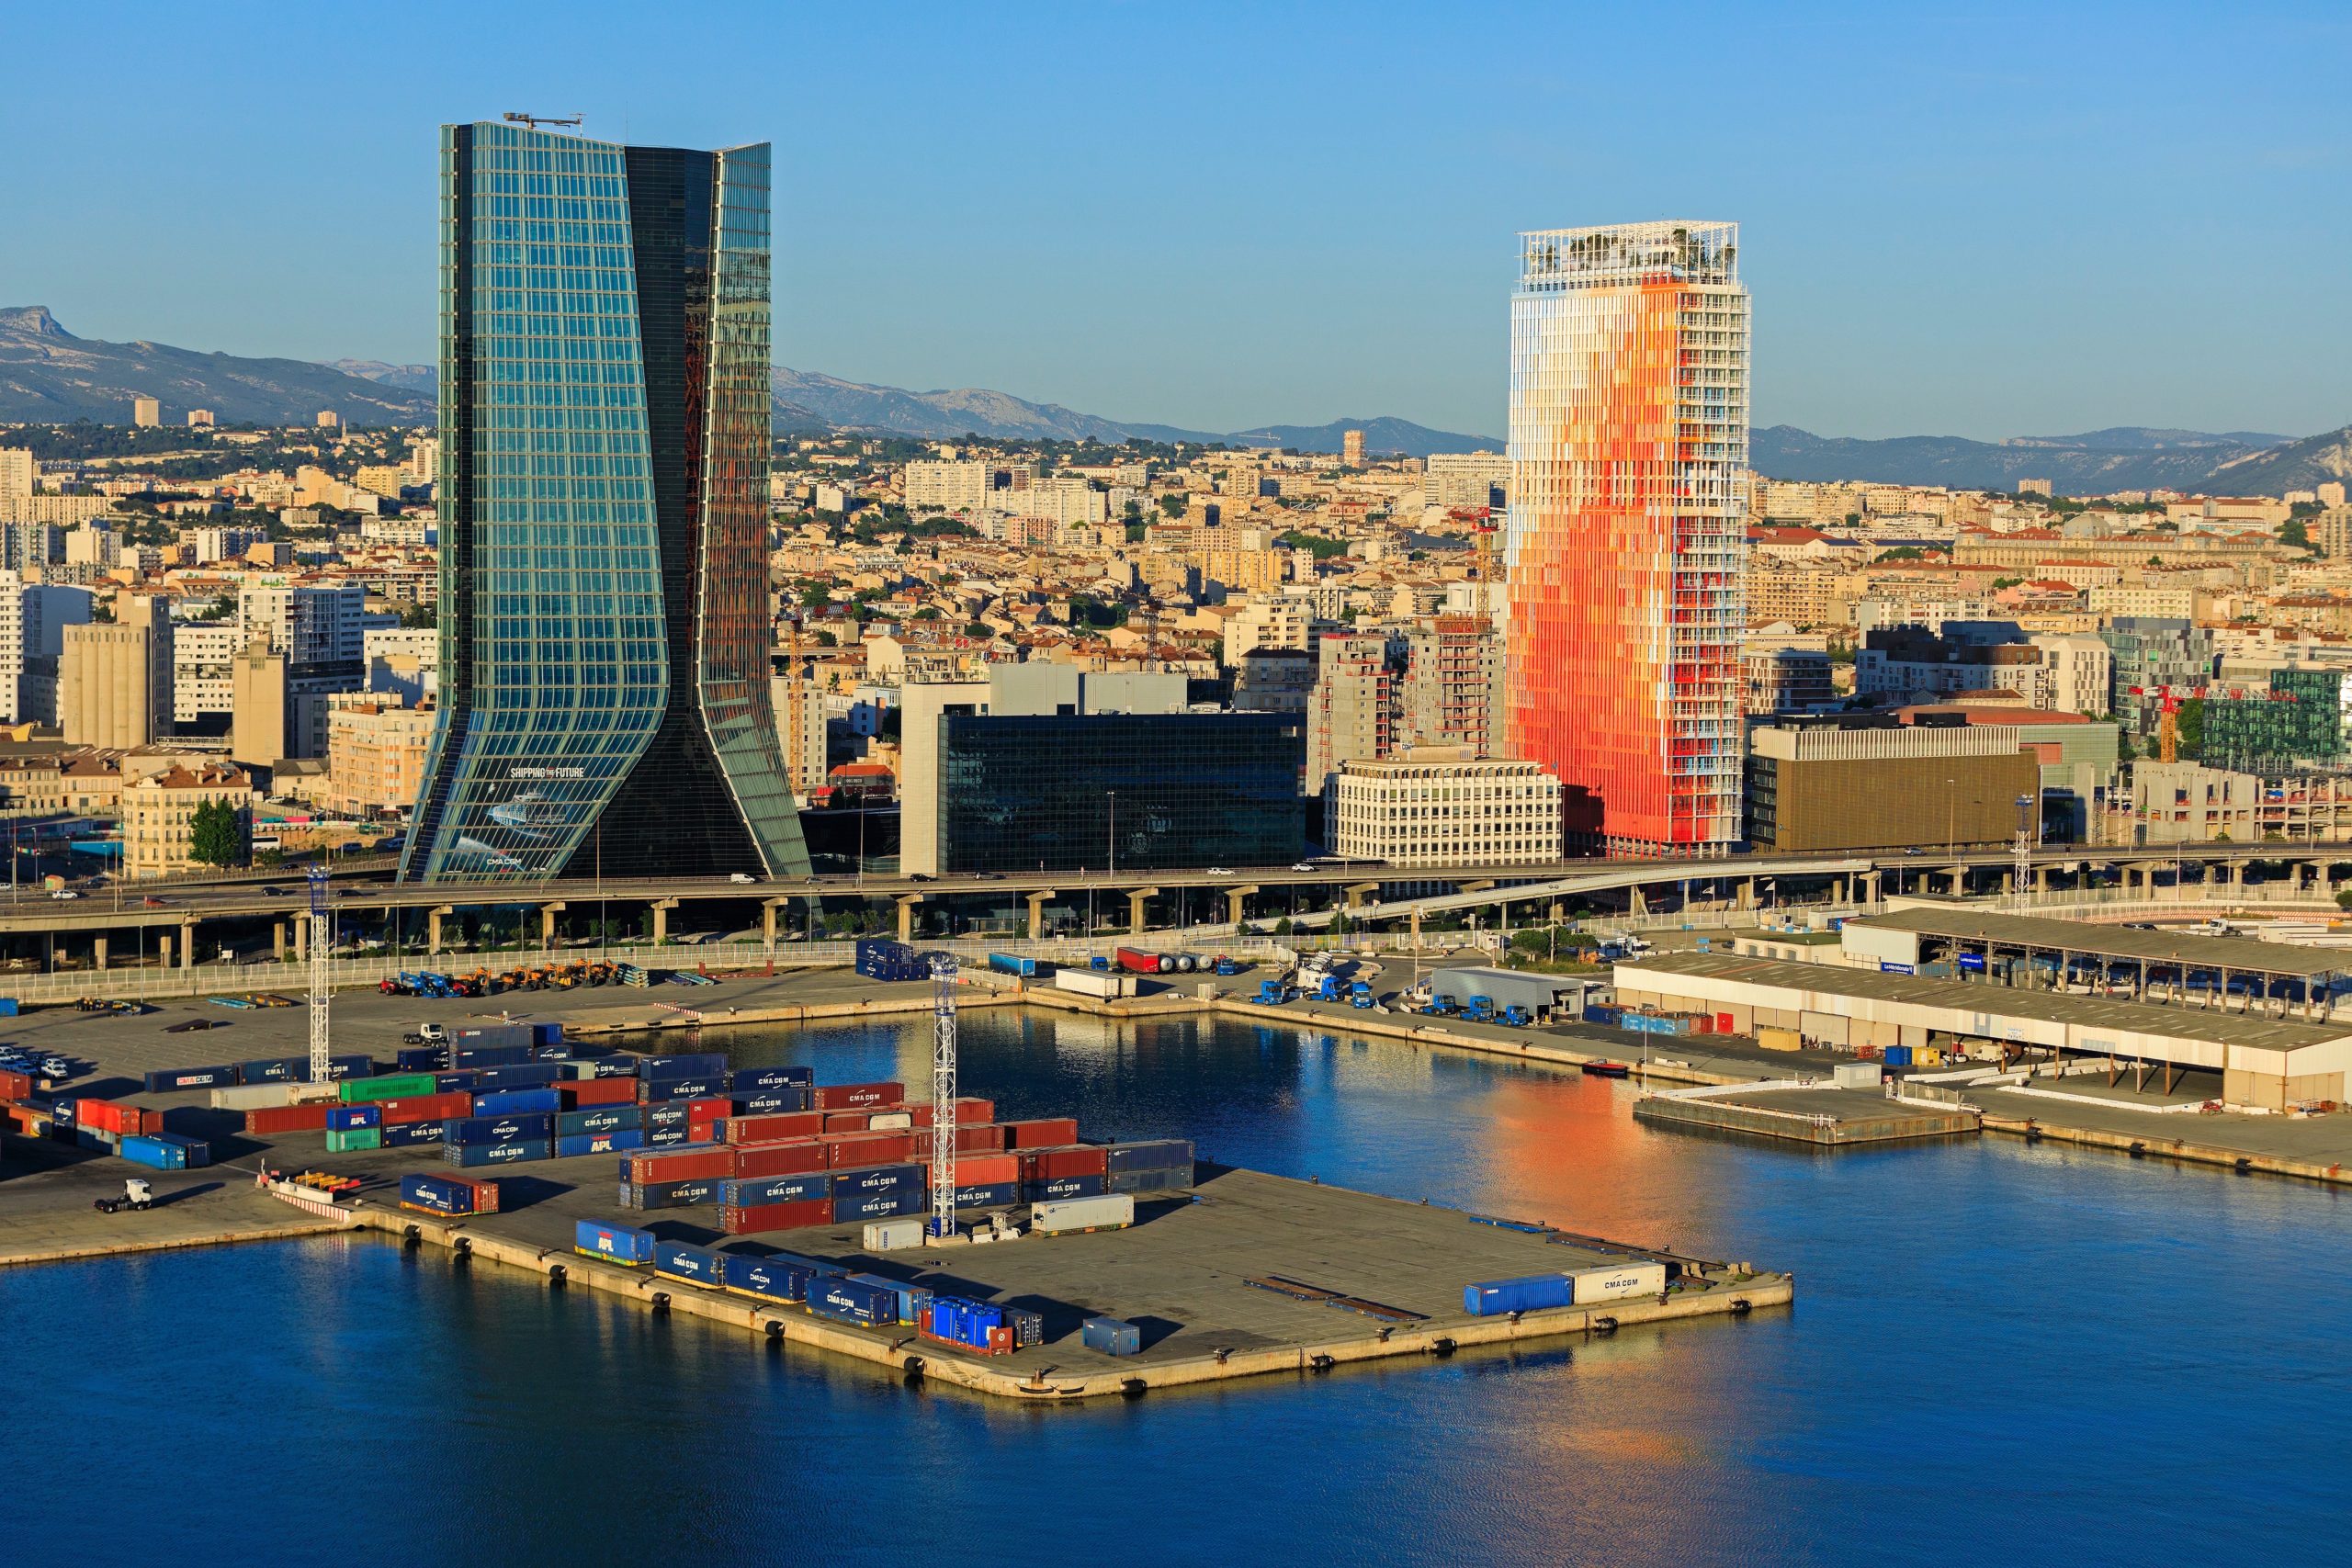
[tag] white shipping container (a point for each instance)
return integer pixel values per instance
(1083, 1214)
(1857, 1074)
(1616, 1283)
(1104, 983)
(253, 1096)
(891, 1120)
(893, 1235)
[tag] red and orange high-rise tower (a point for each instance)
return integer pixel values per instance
(1629, 381)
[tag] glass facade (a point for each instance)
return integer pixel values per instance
(1627, 524)
(605, 437)
(1060, 792)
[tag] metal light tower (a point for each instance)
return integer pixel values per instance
(319, 941)
(943, 1096)
(2021, 873)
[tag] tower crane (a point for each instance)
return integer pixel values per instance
(2167, 721)
(516, 116)
(943, 1095)
(320, 940)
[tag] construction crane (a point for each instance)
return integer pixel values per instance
(320, 940)
(797, 700)
(1481, 524)
(2167, 721)
(943, 1095)
(516, 116)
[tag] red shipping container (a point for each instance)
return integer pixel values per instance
(485, 1193)
(983, 1170)
(986, 1138)
(598, 1092)
(775, 1216)
(679, 1164)
(855, 1149)
(852, 1096)
(287, 1118)
(968, 1113)
(847, 1121)
(703, 1132)
(426, 1108)
(1043, 1164)
(1047, 1134)
(1725, 1023)
(797, 1156)
(15, 1086)
(776, 1128)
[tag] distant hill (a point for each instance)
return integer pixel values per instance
(938, 416)
(2298, 465)
(409, 377)
(1382, 436)
(2124, 459)
(49, 376)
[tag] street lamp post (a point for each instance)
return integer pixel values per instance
(1112, 836)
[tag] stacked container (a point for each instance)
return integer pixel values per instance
(1162, 1166)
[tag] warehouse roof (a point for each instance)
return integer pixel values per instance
(1991, 1001)
(2238, 952)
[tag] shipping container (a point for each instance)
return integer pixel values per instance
(985, 1138)
(839, 1298)
(600, 1119)
(170, 1079)
(908, 1301)
(426, 1108)
(486, 1193)
(695, 1264)
(621, 1244)
(521, 1075)
(847, 1121)
(1076, 1159)
(851, 1150)
(419, 1058)
(14, 1085)
(141, 1149)
(467, 1155)
(1028, 1327)
(856, 1096)
(1144, 1181)
(857, 1209)
(1050, 1188)
(952, 1320)
(759, 1080)
(619, 1140)
(271, 1120)
(414, 1134)
(985, 1167)
(877, 1178)
(1095, 983)
(275, 1069)
(764, 1278)
(437, 1194)
(1773, 1038)
(344, 1118)
(1135, 960)
(879, 958)
(1897, 1055)
(1535, 1293)
(1165, 1154)
(792, 1158)
(751, 1193)
(702, 1064)
(357, 1140)
(987, 1194)
(1619, 1282)
(1109, 1212)
(1050, 1132)
(500, 1129)
(801, 1215)
(678, 1194)
(707, 1085)
(1111, 1336)
(391, 1086)
(893, 1235)
(699, 1162)
(774, 1129)
(582, 1094)
(1009, 963)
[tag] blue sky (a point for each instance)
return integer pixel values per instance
(1982, 220)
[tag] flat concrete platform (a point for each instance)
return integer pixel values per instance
(1828, 1118)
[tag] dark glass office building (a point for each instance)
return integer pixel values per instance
(603, 497)
(1061, 791)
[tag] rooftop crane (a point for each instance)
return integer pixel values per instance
(516, 116)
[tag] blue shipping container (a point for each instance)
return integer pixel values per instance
(754, 1191)
(877, 1178)
(437, 1193)
(465, 1055)
(697, 1264)
(765, 1277)
(171, 1078)
(547, 1033)
(275, 1070)
(1166, 1154)
(199, 1152)
(611, 1068)
(1150, 1180)
(153, 1152)
(877, 1206)
(500, 1129)
(1056, 1188)
(521, 1075)
(409, 1134)
(663, 1118)
(452, 1083)
(847, 1302)
(622, 1243)
(1533, 1293)
(344, 1118)
(772, 1101)
(573, 1146)
(708, 1086)
(994, 1195)
(706, 1064)
(1897, 1055)
(599, 1119)
(517, 1101)
(909, 1300)
(417, 1058)
(341, 1068)
(759, 1080)
(1111, 1336)
(467, 1155)
(676, 1194)
(666, 1137)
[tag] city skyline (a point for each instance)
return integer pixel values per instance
(2062, 185)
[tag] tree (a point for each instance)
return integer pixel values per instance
(419, 616)
(216, 835)
(2292, 532)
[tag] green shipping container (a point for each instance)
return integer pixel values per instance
(355, 1140)
(394, 1085)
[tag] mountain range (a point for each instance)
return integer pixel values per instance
(49, 376)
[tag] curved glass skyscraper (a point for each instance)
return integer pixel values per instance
(603, 499)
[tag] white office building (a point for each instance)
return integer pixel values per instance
(1439, 806)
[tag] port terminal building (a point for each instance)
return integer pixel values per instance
(2152, 1004)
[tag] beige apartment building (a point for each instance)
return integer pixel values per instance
(1439, 807)
(159, 811)
(115, 677)
(376, 755)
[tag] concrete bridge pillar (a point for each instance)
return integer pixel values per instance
(97, 953)
(187, 944)
(548, 912)
(1959, 881)
(301, 940)
(662, 907)
(1416, 923)
(907, 902)
(433, 919)
(1236, 904)
(1357, 892)
(1635, 903)
(278, 942)
(1869, 887)
(1137, 900)
(1748, 893)
(768, 907)
(164, 949)
(2042, 879)
(1037, 902)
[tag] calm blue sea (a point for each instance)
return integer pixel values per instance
(2000, 1353)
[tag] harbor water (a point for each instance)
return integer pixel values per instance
(1998, 1352)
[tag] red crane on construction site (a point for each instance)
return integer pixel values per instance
(2167, 721)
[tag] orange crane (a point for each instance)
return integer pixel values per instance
(1481, 524)
(2167, 721)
